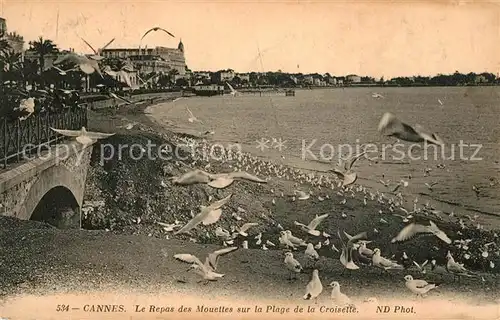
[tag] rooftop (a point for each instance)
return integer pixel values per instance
(146, 57)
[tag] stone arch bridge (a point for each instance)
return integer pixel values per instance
(48, 188)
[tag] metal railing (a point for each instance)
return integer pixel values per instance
(20, 138)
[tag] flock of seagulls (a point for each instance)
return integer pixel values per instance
(354, 253)
(351, 251)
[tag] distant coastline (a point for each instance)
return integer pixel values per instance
(273, 89)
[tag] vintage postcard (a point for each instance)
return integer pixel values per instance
(249, 159)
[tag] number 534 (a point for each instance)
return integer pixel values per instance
(62, 307)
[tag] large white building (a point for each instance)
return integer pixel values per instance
(352, 78)
(158, 59)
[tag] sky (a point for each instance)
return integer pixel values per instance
(374, 38)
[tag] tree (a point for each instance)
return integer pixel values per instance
(10, 60)
(171, 75)
(181, 82)
(42, 47)
(236, 81)
(4, 44)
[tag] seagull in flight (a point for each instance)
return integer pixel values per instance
(344, 171)
(64, 72)
(406, 132)
(117, 97)
(192, 118)
(223, 180)
(87, 65)
(83, 136)
(346, 255)
(207, 269)
(156, 29)
(208, 215)
(97, 56)
(430, 185)
(311, 227)
(413, 229)
(233, 91)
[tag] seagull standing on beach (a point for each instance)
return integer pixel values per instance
(384, 263)
(301, 195)
(283, 239)
(311, 253)
(292, 265)
(419, 287)
(83, 136)
(457, 269)
(339, 299)
(293, 239)
(364, 251)
(405, 132)
(314, 287)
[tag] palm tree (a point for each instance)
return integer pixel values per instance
(10, 60)
(29, 71)
(4, 44)
(171, 75)
(42, 48)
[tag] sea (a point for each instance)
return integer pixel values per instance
(311, 129)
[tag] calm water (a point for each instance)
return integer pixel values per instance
(351, 116)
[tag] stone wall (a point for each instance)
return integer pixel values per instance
(147, 98)
(22, 188)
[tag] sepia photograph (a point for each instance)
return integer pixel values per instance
(283, 159)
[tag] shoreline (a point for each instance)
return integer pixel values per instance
(361, 86)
